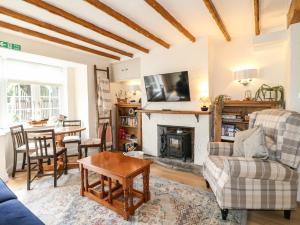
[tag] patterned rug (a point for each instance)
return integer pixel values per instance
(171, 203)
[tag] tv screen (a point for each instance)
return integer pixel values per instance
(168, 87)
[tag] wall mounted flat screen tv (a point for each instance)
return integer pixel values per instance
(168, 87)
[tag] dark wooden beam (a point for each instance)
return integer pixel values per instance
(54, 39)
(214, 13)
(256, 17)
(123, 19)
(57, 29)
(60, 12)
(293, 15)
(171, 19)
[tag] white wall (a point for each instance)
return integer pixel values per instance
(39, 47)
(293, 79)
(269, 58)
(293, 72)
(192, 57)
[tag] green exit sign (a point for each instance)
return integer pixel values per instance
(5, 44)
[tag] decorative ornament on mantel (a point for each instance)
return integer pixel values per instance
(205, 102)
(245, 76)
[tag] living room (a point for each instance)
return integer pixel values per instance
(151, 112)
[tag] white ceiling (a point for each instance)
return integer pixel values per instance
(237, 15)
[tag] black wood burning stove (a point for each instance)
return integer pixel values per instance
(176, 145)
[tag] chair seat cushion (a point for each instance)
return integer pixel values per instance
(5, 193)
(71, 139)
(59, 150)
(91, 141)
(15, 213)
(215, 164)
(31, 145)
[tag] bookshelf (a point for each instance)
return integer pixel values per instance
(128, 127)
(234, 116)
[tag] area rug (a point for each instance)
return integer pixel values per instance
(171, 203)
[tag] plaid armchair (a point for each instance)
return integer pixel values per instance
(248, 183)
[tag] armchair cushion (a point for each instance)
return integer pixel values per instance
(220, 148)
(240, 167)
(238, 145)
(254, 145)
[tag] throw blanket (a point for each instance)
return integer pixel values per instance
(104, 101)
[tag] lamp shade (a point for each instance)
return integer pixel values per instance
(134, 87)
(245, 74)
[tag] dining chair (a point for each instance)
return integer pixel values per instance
(100, 143)
(45, 148)
(19, 146)
(75, 137)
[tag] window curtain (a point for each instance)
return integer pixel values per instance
(3, 85)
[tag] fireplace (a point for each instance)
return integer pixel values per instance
(176, 142)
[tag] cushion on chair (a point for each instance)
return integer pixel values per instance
(31, 147)
(91, 141)
(5, 193)
(13, 212)
(240, 167)
(49, 151)
(71, 139)
(238, 146)
(254, 145)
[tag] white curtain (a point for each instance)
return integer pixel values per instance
(3, 106)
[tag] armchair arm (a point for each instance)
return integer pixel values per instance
(240, 167)
(220, 148)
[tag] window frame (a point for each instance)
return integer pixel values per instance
(36, 96)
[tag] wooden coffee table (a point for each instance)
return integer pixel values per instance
(116, 173)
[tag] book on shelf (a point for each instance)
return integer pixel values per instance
(128, 121)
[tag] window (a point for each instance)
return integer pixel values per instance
(27, 101)
(31, 91)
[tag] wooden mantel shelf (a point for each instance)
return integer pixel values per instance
(148, 112)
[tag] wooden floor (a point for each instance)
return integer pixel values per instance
(254, 217)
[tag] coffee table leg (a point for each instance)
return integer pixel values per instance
(146, 184)
(109, 191)
(102, 186)
(86, 179)
(81, 180)
(131, 196)
(126, 193)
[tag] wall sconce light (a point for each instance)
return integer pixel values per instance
(245, 76)
(134, 88)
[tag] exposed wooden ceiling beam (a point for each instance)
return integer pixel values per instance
(118, 16)
(54, 39)
(171, 19)
(214, 13)
(60, 12)
(293, 15)
(256, 17)
(51, 27)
